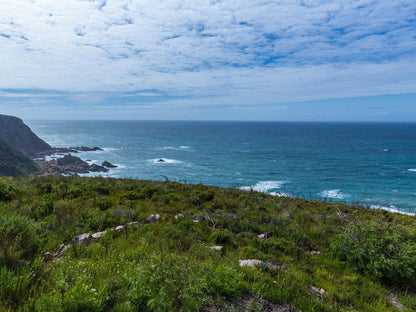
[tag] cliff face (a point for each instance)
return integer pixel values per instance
(15, 163)
(20, 137)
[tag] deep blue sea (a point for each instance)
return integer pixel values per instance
(373, 164)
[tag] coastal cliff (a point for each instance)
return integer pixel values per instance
(18, 145)
(19, 136)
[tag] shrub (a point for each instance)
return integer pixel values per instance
(168, 284)
(380, 251)
(225, 281)
(14, 286)
(5, 189)
(104, 204)
(17, 239)
(221, 237)
(46, 206)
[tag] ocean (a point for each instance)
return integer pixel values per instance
(370, 164)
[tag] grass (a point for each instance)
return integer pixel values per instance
(359, 257)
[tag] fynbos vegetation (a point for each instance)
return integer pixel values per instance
(167, 246)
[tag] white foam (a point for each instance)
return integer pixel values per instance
(333, 194)
(392, 208)
(166, 148)
(411, 170)
(165, 161)
(110, 149)
(279, 194)
(54, 156)
(118, 167)
(264, 186)
(182, 147)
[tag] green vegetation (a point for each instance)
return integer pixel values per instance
(15, 163)
(315, 256)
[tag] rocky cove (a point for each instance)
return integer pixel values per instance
(21, 148)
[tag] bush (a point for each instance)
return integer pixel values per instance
(221, 237)
(225, 281)
(167, 284)
(13, 287)
(17, 238)
(5, 189)
(380, 251)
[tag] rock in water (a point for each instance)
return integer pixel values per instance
(108, 164)
(71, 165)
(86, 149)
(97, 168)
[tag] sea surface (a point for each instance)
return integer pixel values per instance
(371, 164)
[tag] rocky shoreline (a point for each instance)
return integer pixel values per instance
(69, 164)
(21, 148)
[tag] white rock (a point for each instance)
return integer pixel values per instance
(86, 238)
(153, 218)
(261, 236)
(259, 263)
(217, 248)
(250, 263)
(119, 228)
(98, 234)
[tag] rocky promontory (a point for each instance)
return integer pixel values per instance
(70, 165)
(19, 136)
(19, 146)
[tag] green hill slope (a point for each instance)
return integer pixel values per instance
(96, 244)
(14, 163)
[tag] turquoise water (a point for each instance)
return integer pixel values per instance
(373, 164)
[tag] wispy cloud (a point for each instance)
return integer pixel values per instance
(225, 51)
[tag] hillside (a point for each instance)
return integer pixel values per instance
(96, 244)
(20, 137)
(15, 163)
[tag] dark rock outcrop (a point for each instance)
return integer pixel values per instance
(71, 165)
(20, 137)
(108, 165)
(18, 143)
(97, 168)
(86, 149)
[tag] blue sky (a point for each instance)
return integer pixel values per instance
(208, 59)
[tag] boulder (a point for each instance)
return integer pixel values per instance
(317, 292)
(85, 238)
(98, 234)
(153, 218)
(255, 263)
(97, 168)
(216, 248)
(250, 263)
(86, 149)
(108, 164)
(119, 228)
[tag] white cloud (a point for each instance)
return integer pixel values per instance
(239, 51)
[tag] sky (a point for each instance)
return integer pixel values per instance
(340, 60)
